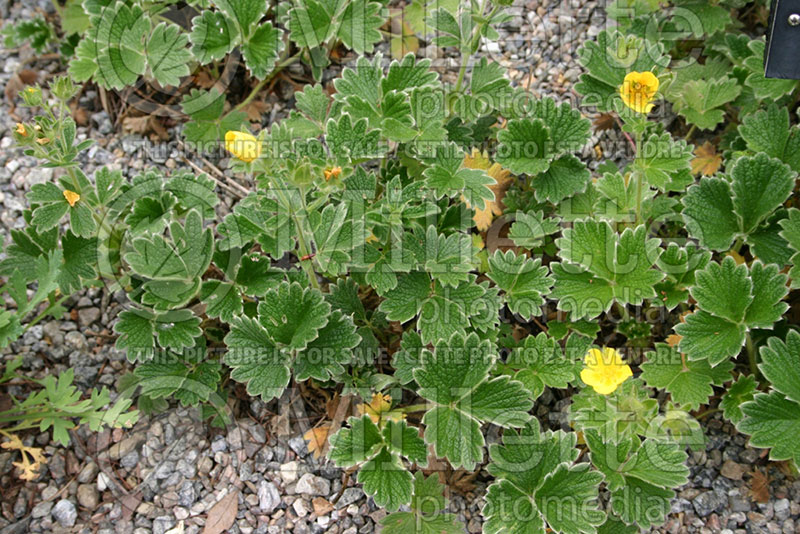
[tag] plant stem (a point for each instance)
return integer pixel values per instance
(302, 246)
(751, 354)
(412, 408)
(690, 132)
(639, 178)
(707, 413)
(279, 67)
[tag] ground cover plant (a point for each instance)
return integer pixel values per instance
(440, 252)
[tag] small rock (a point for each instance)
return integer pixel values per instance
(321, 506)
(65, 513)
(88, 472)
(76, 340)
(88, 316)
(289, 472)
(88, 496)
(268, 497)
(732, 470)
(300, 508)
(782, 509)
(707, 502)
(313, 485)
(42, 509)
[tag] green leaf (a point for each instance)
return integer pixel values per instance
(177, 329)
(448, 177)
(167, 54)
(262, 49)
(565, 177)
(764, 88)
(601, 267)
(309, 24)
(351, 140)
(405, 441)
(213, 36)
(780, 365)
(386, 480)
(443, 311)
(80, 262)
(791, 233)
(222, 299)
(354, 445)
(359, 25)
(569, 130)
(525, 281)
(701, 18)
(731, 302)
(255, 359)
(680, 265)
(529, 229)
(245, 13)
(326, 356)
(567, 499)
(688, 382)
(717, 211)
(541, 363)
(454, 376)
(137, 334)
(741, 391)
(701, 102)
(292, 315)
(773, 422)
(768, 130)
(523, 146)
(408, 74)
(662, 158)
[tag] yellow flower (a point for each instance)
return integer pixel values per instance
(332, 173)
(638, 91)
(21, 130)
(43, 140)
(72, 197)
(242, 145)
(605, 370)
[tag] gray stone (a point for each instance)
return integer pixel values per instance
(88, 316)
(313, 485)
(187, 494)
(65, 513)
(268, 497)
(42, 509)
(706, 503)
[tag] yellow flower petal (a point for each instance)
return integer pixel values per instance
(72, 197)
(21, 130)
(638, 91)
(242, 145)
(605, 370)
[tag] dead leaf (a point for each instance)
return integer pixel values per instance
(706, 160)
(403, 39)
(147, 125)
(317, 439)
(502, 181)
(738, 258)
(380, 409)
(80, 114)
(255, 110)
(31, 458)
(223, 514)
(673, 340)
(204, 80)
(462, 481)
(759, 487)
(604, 121)
(130, 503)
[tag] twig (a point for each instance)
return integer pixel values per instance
(229, 185)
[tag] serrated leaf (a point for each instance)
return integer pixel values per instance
(262, 49)
(255, 359)
(688, 382)
(405, 441)
(293, 315)
(565, 177)
(706, 336)
(541, 363)
(567, 499)
(523, 146)
(177, 329)
(739, 392)
(779, 364)
(601, 267)
(137, 334)
(773, 422)
(701, 100)
(523, 280)
(167, 54)
(791, 233)
(386, 480)
(222, 299)
(351, 446)
(529, 229)
(359, 25)
(332, 349)
(769, 131)
(213, 36)
(662, 158)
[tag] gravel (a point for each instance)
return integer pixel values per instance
(165, 474)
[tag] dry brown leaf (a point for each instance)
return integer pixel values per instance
(223, 514)
(462, 481)
(204, 80)
(380, 409)
(502, 181)
(255, 110)
(759, 487)
(321, 506)
(18, 82)
(147, 125)
(317, 439)
(604, 121)
(706, 160)
(31, 458)
(673, 340)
